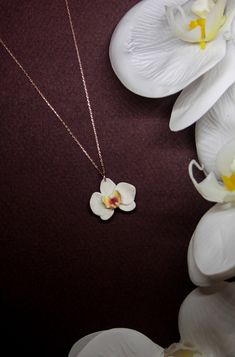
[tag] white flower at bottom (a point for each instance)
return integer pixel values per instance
(112, 196)
(206, 327)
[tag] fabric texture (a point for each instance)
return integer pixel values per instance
(63, 272)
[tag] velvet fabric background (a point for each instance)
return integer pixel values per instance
(64, 273)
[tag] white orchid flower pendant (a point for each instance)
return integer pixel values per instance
(112, 196)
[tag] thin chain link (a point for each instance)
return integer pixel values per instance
(102, 170)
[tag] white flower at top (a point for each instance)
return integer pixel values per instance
(112, 196)
(161, 47)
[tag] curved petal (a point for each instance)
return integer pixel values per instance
(127, 192)
(210, 188)
(207, 320)
(149, 60)
(80, 344)
(195, 274)
(214, 244)
(196, 99)
(120, 342)
(215, 129)
(107, 187)
(128, 208)
(96, 204)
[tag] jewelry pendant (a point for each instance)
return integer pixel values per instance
(112, 196)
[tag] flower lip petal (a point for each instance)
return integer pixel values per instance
(210, 188)
(127, 192)
(107, 187)
(96, 204)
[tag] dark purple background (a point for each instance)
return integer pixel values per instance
(64, 273)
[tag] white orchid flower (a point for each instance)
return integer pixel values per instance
(206, 326)
(161, 47)
(213, 189)
(112, 196)
(211, 252)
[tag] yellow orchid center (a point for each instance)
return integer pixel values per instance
(112, 201)
(202, 25)
(229, 182)
(201, 22)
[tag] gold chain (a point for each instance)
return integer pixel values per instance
(102, 169)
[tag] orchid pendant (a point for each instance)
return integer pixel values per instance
(112, 196)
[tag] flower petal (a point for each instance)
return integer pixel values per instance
(195, 274)
(214, 244)
(127, 192)
(207, 320)
(108, 214)
(128, 208)
(80, 344)
(210, 188)
(225, 158)
(149, 60)
(120, 342)
(97, 206)
(196, 99)
(107, 187)
(215, 129)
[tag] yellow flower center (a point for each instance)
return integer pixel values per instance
(112, 201)
(229, 182)
(201, 22)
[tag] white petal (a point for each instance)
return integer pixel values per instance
(215, 129)
(120, 342)
(210, 188)
(97, 205)
(107, 215)
(128, 208)
(150, 61)
(230, 6)
(127, 192)
(225, 158)
(196, 99)
(107, 187)
(195, 274)
(80, 344)
(207, 320)
(214, 244)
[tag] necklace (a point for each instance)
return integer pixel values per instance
(111, 196)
